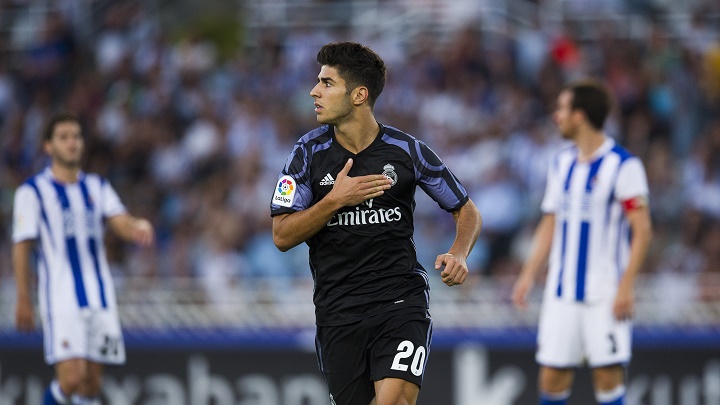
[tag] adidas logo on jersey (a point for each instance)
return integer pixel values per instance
(327, 180)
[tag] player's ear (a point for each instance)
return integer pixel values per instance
(360, 95)
(46, 146)
(579, 115)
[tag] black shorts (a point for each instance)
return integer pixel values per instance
(392, 344)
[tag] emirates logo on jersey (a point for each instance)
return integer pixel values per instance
(365, 214)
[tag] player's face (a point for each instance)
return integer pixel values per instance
(65, 147)
(332, 98)
(564, 116)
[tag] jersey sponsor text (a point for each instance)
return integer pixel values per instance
(365, 217)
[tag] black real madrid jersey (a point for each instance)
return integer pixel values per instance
(363, 261)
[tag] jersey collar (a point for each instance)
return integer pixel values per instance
(607, 145)
(49, 174)
(378, 138)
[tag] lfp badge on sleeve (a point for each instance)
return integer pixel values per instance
(285, 191)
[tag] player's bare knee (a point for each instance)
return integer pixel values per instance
(554, 380)
(70, 382)
(607, 378)
(92, 385)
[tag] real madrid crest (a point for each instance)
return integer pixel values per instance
(389, 172)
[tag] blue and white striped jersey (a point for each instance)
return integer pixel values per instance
(591, 240)
(67, 220)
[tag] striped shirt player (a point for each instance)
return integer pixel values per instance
(59, 214)
(595, 230)
(590, 250)
(73, 272)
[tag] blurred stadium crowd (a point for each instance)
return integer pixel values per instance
(194, 137)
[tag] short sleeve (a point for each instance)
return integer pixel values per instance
(26, 214)
(110, 201)
(292, 190)
(632, 180)
(551, 200)
(437, 180)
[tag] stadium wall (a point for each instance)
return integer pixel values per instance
(279, 368)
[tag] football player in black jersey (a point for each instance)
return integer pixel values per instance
(347, 190)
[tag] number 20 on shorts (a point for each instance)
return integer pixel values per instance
(407, 349)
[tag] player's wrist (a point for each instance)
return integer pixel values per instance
(332, 204)
(456, 254)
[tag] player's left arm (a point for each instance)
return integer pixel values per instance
(121, 223)
(468, 224)
(132, 229)
(637, 213)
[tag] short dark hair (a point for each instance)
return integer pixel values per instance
(357, 64)
(56, 119)
(591, 97)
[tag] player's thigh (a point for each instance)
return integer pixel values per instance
(390, 391)
(402, 346)
(559, 334)
(343, 360)
(607, 340)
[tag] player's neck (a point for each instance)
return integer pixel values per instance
(356, 135)
(64, 173)
(588, 142)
